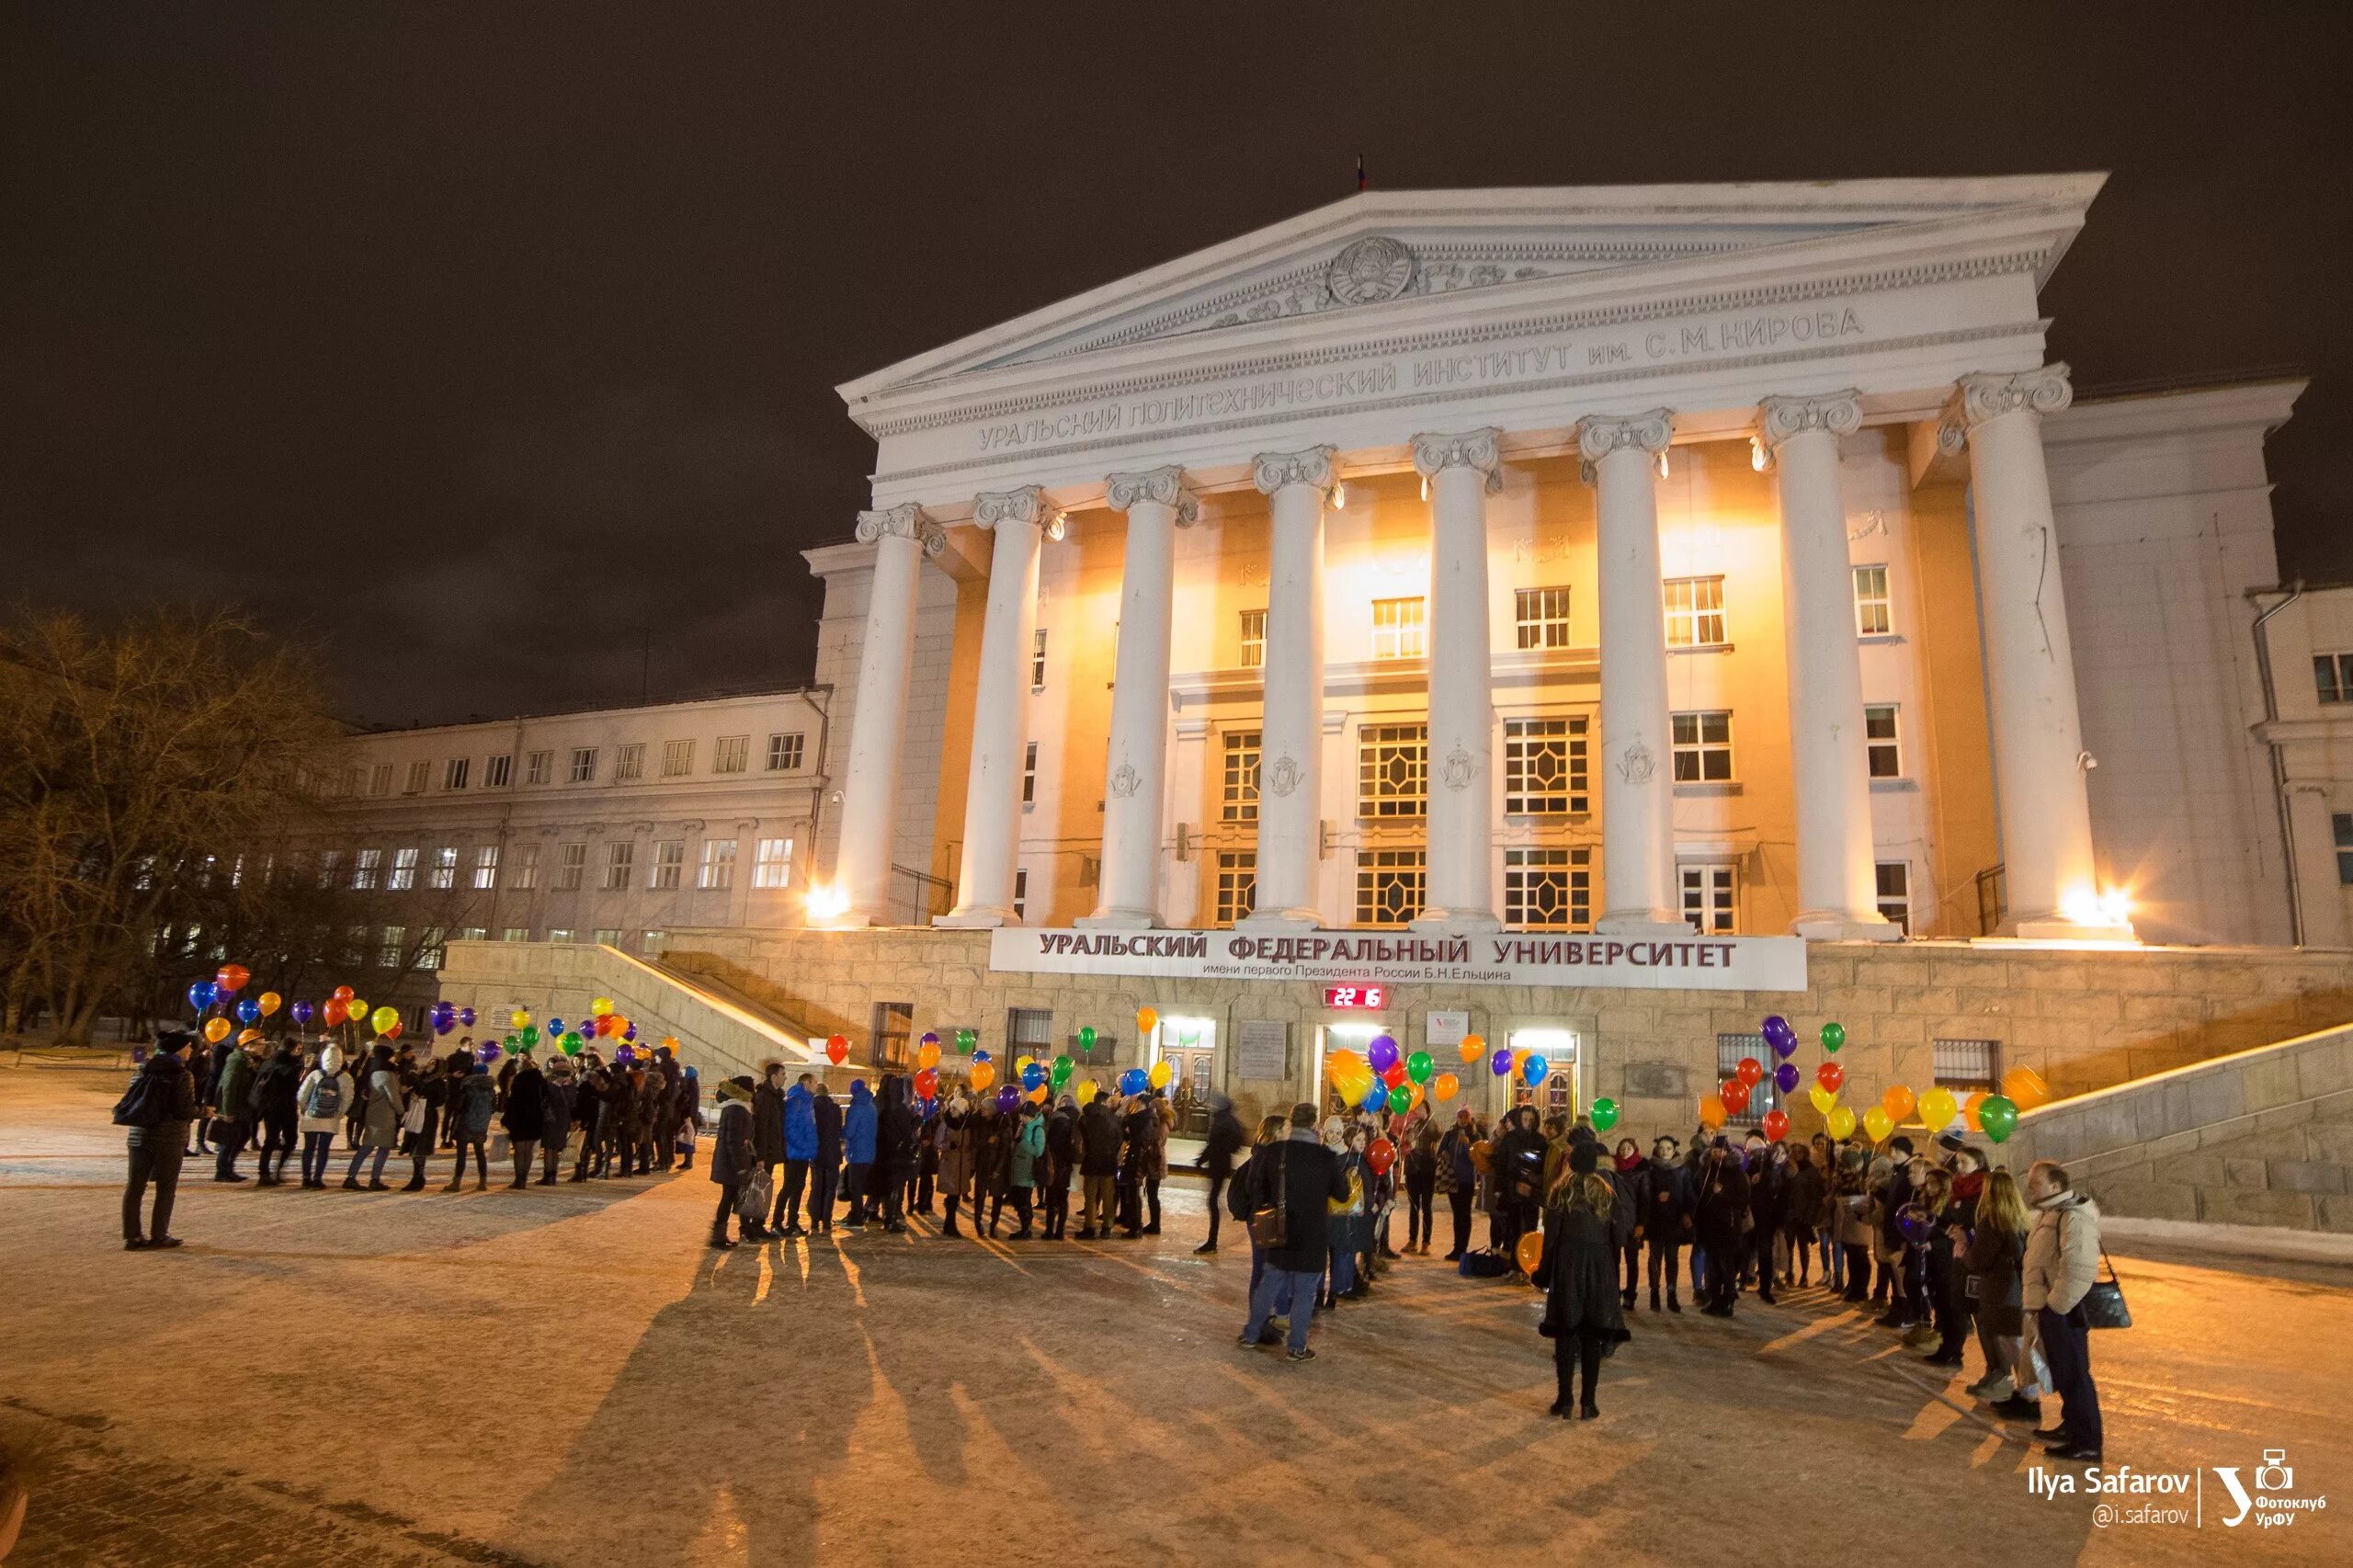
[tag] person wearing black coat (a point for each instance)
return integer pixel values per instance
(1767, 1168)
(667, 1113)
(1719, 1211)
(1099, 1167)
(1301, 1178)
(1064, 1145)
(1518, 1174)
(1216, 1158)
(589, 1114)
(155, 1113)
(1665, 1197)
(455, 1069)
(895, 1149)
(1583, 1315)
(826, 1175)
(732, 1158)
(527, 1110)
(273, 1106)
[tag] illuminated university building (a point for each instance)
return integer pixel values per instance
(1591, 619)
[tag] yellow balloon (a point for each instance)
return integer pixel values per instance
(1842, 1124)
(1146, 1020)
(521, 1018)
(928, 1054)
(1087, 1091)
(1021, 1061)
(983, 1075)
(1938, 1107)
(1877, 1123)
(1898, 1104)
(1824, 1100)
(271, 1002)
(1158, 1076)
(1445, 1085)
(601, 1006)
(2026, 1088)
(216, 1030)
(356, 1010)
(1353, 1087)
(383, 1018)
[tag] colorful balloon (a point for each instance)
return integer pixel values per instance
(1062, 1068)
(1086, 1091)
(1534, 1069)
(1157, 1075)
(1833, 1037)
(1841, 1123)
(355, 1011)
(1777, 1125)
(1999, 1117)
(2024, 1087)
(248, 1010)
(1734, 1095)
(232, 977)
(1785, 1077)
(1133, 1081)
(928, 1052)
(1970, 1108)
(1500, 1063)
(515, 1019)
(1775, 1027)
(600, 1006)
(983, 1075)
(1445, 1086)
(342, 993)
(1938, 1107)
(1394, 1075)
(1471, 1049)
(383, 1020)
(465, 1017)
(1750, 1072)
(1008, 1099)
(201, 994)
(333, 1011)
(571, 1042)
(1033, 1076)
(1530, 1253)
(1086, 1037)
(271, 1002)
(1419, 1067)
(529, 1035)
(393, 1033)
(1711, 1111)
(1604, 1114)
(303, 1012)
(1898, 1104)
(1824, 1100)
(1877, 1124)
(1381, 1053)
(1376, 1096)
(836, 1050)
(927, 1082)
(216, 1030)
(1147, 1020)
(966, 1039)
(1831, 1076)
(1380, 1154)
(486, 1052)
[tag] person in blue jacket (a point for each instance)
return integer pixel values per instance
(799, 1149)
(858, 1150)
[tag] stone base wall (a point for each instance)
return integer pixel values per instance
(2085, 1018)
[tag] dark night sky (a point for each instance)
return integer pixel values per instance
(474, 340)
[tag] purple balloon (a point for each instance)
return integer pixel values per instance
(1008, 1099)
(466, 1018)
(1785, 1077)
(625, 1054)
(629, 1033)
(1381, 1053)
(443, 1024)
(303, 1012)
(1500, 1063)
(1777, 1028)
(487, 1052)
(1785, 1047)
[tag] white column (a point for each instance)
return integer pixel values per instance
(1135, 783)
(993, 788)
(1837, 886)
(1460, 887)
(2038, 757)
(1291, 748)
(1637, 754)
(902, 537)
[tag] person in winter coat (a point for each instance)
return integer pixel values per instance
(273, 1098)
(1907, 1269)
(616, 1139)
(1802, 1212)
(767, 1115)
(1460, 1174)
(1519, 1177)
(1216, 1159)
(1854, 1221)
(1994, 1254)
(1098, 1168)
(156, 1113)
(556, 1091)
(1628, 1169)
(1766, 1166)
(231, 1121)
(669, 1105)
(588, 1102)
(857, 1151)
(1940, 1263)
(1584, 1315)
(1023, 1157)
(428, 1092)
(733, 1158)
(525, 1113)
(1665, 1195)
(895, 1149)
(319, 1104)
(471, 1100)
(1299, 1179)
(992, 1143)
(1066, 1150)
(953, 1138)
(687, 1120)
(1720, 1210)
(1139, 1161)
(380, 1110)
(2057, 1271)
(799, 1153)
(825, 1172)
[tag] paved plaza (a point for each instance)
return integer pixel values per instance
(570, 1376)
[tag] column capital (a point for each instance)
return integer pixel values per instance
(1473, 450)
(1598, 435)
(1779, 418)
(1313, 465)
(1164, 485)
(905, 520)
(1982, 396)
(1027, 505)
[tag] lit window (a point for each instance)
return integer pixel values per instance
(379, 779)
(431, 943)
(496, 770)
(1548, 888)
(1029, 774)
(652, 943)
(772, 863)
(390, 953)
(2341, 823)
(1389, 886)
(1241, 783)
(1253, 639)
(1886, 753)
(558, 934)
(486, 866)
(1966, 1064)
(784, 753)
(628, 763)
(539, 768)
(1392, 770)
(1730, 1049)
(2331, 676)
(1544, 767)
(444, 873)
(1894, 877)
(677, 758)
(572, 869)
(418, 772)
(717, 867)
(330, 862)
(365, 869)
(1543, 617)
(1237, 884)
(1695, 612)
(1038, 660)
(515, 934)
(607, 937)
(526, 873)
(731, 753)
(473, 932)
(1708, 895)
(1397, 629)
(1702, 747)
(1022, 894)
(1873, 617)
(620, 860)
(454, 771)
(583, 764)
(403, 875)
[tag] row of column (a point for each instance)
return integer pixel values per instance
(2037, 739)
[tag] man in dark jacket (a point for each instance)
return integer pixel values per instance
(666, 1104)
(156, 1112)
(894, 1150)
(1720, 1207)
(232, 1113)
(1065, 1147)
(824, 1174)
(1768, 1206)
(1099, 1167)
(731, 1156)
(1460, 1175)
(767, 1116)
(1301, 1178)
(1665, 1197)
(273, 1103)
(1909, 1286)
(1216, 1159)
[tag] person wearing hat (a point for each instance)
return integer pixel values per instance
(732, 1157)
(1582, 1316)
(1664, 1197)
(156, 1110)
(556, 1091)
(1719, 1211)
(230, 1124)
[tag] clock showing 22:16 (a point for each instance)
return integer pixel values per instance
(1356, 997)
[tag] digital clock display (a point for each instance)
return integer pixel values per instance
(1356, 997)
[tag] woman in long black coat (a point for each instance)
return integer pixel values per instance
(1582, 1314)
(895, 1149)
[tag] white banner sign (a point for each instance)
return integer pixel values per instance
(1692, 963)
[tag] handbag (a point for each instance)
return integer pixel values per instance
(2103, 1305)
(1270, 1224)
(751, 1199)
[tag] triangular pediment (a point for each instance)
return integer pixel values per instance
(1386, 248)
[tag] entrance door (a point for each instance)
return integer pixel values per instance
(1558, 1094)
(1190, 1046)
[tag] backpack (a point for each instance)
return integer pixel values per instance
(147, 1103)
(326, 1098)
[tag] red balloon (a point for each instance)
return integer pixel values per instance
(1380, 1155)
(1776, 1125)
(393, 1033)
(1831, 1076)
(1751, 1071)
(927, 1082)
(232, 977)
(1395, 1076)
(836, 1050)
(1734, 1094)
(334, 1011)
(345, 993)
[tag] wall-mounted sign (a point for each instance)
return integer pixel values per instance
(1443, 1028)
(1262, 1051)
(1359, 995)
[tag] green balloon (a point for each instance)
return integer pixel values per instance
(966, 1039)
(1064, 1067)
(1999, 1117)
(529, 1036)
(1833, 1037)
(1419, 1067)
(1086, 1037)
(1604, 1114)
(571, 1042)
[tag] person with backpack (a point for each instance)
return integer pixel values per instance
(325, 1095)
(156, 1112)
(1287, 1189)
(274, 1097)
(1026, 1154)
(382, 1110)
(471, 1101)
(857, 1149)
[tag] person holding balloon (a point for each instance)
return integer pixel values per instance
(1518, 1174)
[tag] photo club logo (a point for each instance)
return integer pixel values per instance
(2273, 1502)
(2124, 1495)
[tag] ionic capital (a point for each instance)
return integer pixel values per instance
(905, 520)
(1985, 395)
(1779, 418)
(1276, 471)
(1473, 450)
(1027, 505)
(1165, 486)
(1598, 435)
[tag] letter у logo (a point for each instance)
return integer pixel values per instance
(2229, 1476)
(2272, 1478)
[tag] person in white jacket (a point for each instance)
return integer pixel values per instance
(2062, 1261)
(320, 1105)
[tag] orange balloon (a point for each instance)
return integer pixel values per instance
(1969, 1109)
(1531, 1252)
(1470, 1050)
(2026, 1088)
(983, 1075)
(1711, 1111)
(1342, 1063)
(1898, 1103)
(1446, 1085)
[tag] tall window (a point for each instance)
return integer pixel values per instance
(1873, 617)
(366, 869)
(1730, 1049)
(677, 758)
(1710, 897)
(2341, 826)
(1021, 892)
(1702, 747)
(1397, 629)
(1237, 884)
(583, 764)
(390, 955)
(1543, 617)
(669, 865)
(1253, 639)
(607, 936)
(717, 867)
(430, 948)
(1389, 886)
(330, 864)
(486, 866)
(403, 875)
(628, 763)
(1894, 877)
(894, 1025)
(731, 753)
(1695, 612)
(497, 770)
(1880, 746)
(772, 863)
(1966, 1064)
(514, 933)
(1392, 770)
(1029, 774)
(784, 753)
(1548, 888)
(379, 779)
(444, 873)
(418, 772)
(526, 874)
(572, 869)
(1038, 660)
(1241, 778)
(1544, 767)
(454, 771)
(539, 768)
(621, 859)
(2332, 677)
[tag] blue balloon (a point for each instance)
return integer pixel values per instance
(1377, 1097)
(1535, 1069)
(200, 995)
(555, 1026)
(981, 1055)
(1133, 1082)
(248, 1010)
(1033, 1075)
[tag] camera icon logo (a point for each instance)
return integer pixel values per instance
(2273, 1475)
